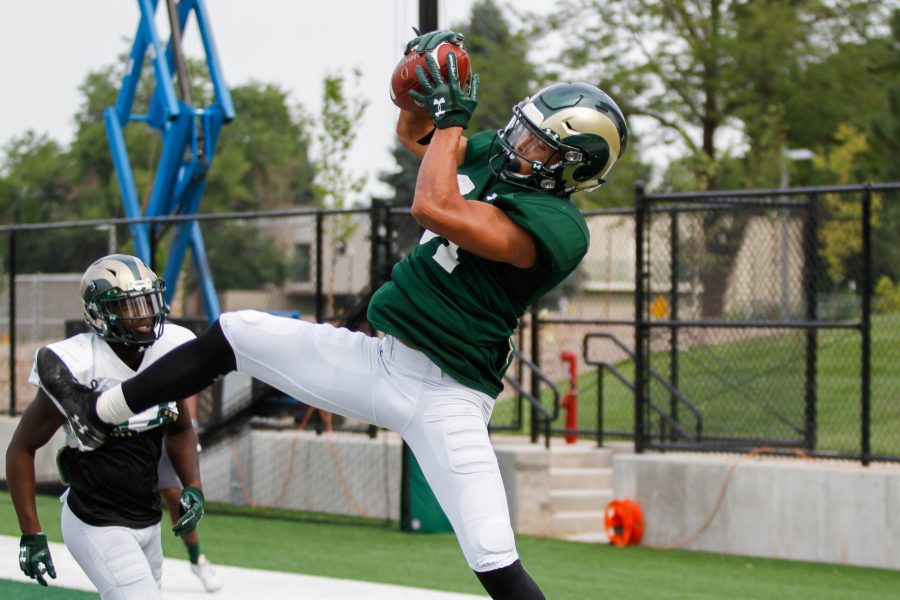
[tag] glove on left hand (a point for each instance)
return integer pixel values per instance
(190, 511)
(429, 41)
(34, 557)
(446, 102)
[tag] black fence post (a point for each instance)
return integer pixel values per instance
(640, 325)
(320, 242)
(520, 376)
(535, 380)
(866, 327)
(12, 323)
(673, 316)
(375, 244)
(599, 406)
(810, 271)
(428, 15)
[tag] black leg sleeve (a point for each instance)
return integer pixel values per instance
(182, 372)
(510, 583)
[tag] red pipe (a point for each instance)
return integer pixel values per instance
(570, 400)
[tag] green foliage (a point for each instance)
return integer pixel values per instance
(335, 184)
(886, 124)
(261, 163)
(700, 68)
(500, 57)
(266, 264)
(887, 295)
(38, 179)
(262, 156)
(841, 232)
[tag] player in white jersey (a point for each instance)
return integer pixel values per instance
(111, 509)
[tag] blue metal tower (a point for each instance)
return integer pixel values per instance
(189, 136)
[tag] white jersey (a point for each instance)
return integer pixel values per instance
(90, 359)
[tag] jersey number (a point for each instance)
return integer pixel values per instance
(446, 255)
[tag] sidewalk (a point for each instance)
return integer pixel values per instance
(237, 583)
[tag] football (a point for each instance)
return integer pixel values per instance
(403, 79)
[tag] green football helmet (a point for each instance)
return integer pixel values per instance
(124, 300)
(571, 134)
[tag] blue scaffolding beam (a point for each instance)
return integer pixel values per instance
(189, 137)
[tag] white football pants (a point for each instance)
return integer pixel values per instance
(383, 382)
(122, 563)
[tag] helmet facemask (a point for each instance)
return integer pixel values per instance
(532, 157)
(124, 301)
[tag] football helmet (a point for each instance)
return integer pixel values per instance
(124, 300)
(564, 139)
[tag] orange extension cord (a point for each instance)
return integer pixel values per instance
(624, 521)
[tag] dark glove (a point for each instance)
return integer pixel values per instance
(34, 557)
(429, 41)
(190, 511)
(445, 101)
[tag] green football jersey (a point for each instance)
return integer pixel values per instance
(460, 309)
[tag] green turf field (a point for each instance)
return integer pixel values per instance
(566, 570)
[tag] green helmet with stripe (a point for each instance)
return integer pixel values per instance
(124, 300)
(581, 129)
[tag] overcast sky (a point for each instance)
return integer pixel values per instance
(48, 46)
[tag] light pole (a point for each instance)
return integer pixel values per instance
(788, 154)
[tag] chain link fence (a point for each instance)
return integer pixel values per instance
(765, 318)
(762, 324)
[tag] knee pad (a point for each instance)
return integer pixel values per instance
(493, 543)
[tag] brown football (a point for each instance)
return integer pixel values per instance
(403, 79)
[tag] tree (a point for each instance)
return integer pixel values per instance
(335, 184)
(698, 69)
(261, 163)
(262, 160)
(500, 58)
(36, 186)
(885, 125)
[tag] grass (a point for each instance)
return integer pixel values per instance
(755, 388)
(565, 570)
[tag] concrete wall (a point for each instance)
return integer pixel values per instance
(347, 474)
(526, 476)
(815, 510)
(352, 474)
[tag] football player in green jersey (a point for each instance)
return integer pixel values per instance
(500, 232)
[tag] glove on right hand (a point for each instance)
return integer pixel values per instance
(34, 557)
(446, 102)
(190, 511)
